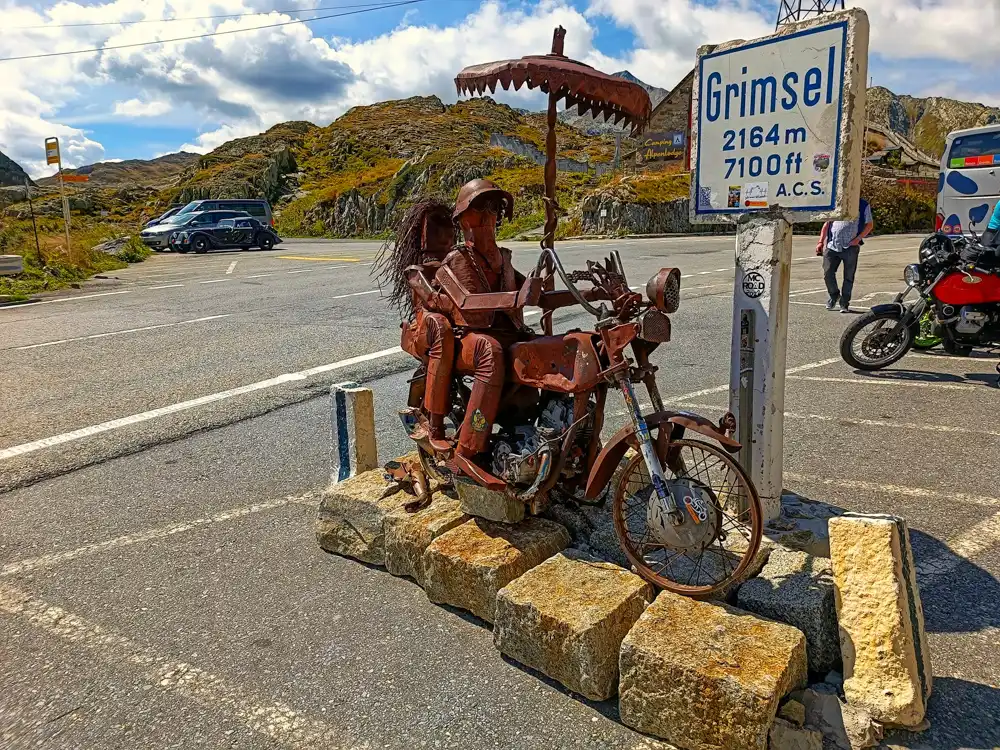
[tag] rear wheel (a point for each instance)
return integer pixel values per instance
(696, 558)
(199, 245)
(870, 342)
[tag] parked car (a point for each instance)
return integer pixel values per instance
(243, 233)
(166, 215)
(256, 207)
(158, 237)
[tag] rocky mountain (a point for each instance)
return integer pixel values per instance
(356, 176)
(11, 173)
(161, 172)
(927, 121)
(589, 125)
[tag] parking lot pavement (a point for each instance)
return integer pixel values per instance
(174, 596)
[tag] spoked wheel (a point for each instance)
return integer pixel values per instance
(694, 559)
(869, 343)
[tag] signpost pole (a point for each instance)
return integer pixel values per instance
(53, 156)
(34, 227)
(760, 333)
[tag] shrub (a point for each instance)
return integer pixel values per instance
(133, 251)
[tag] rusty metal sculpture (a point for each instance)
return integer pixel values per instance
(686, 514)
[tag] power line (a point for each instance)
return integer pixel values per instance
(212, 33)
(183, 18)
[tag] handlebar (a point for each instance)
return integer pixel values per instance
(593, 272)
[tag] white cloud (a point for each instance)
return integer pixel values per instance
(140, 108)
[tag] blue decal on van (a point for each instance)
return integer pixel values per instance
(977, 214)
(962, 184)
(941, 182)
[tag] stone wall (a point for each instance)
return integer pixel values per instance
(529, 151)
(608, 215)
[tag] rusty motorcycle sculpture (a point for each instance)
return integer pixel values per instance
(686, 514)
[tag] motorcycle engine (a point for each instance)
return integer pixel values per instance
(517, 457)
(971, 321)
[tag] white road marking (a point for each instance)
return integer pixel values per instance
(127, 330)
(895, 489)
(356, 294)
(817, 290)
(141, 537)
(810, 304)
(259, 276)
(886, 381)
(849, 421)
(305, 270)
(168, 286)
(960, 550)
(277, 721)
(722, 388)
(114, 424)
(232, 267)
(214, 281)
(66, 299)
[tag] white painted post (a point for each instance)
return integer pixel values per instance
(760, 333)
(353, 449)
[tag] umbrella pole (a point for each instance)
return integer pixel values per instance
(551, 218)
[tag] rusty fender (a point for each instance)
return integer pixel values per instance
(612, 453)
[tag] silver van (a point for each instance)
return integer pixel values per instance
(259, 209)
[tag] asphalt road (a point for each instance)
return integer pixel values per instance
(159, 589)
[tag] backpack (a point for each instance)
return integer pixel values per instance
(861, 219)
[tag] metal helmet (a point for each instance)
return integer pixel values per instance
(478, 188)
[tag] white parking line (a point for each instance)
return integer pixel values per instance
(258, 276)
(127, 330)
(214, 281)
(356, 294)
(168, 286)
(232, 267)
(886, 381)
(895, 489)
(66, 299)
(279, 722)
(114, 424)
(722, 388)
(304, 270)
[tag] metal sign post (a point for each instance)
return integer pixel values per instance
(52, 156)
(777, 128)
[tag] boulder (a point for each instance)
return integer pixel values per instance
(797, 589)
(703, 675)
(351, 516)
(793, 711)
(408, 535)
(483, 503)
(843, 726)
(466, 566)
(887, 667)
(787, 736)
(567, 618)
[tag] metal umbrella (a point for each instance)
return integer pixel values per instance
(582, 86)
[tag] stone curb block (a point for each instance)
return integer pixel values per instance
(567, 618)
(797, 589)
(408, 535)
(351, 516)
(483, 503)
(704, 675)
(467, 566)
(887, 666)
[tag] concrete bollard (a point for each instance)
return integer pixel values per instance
(11, 265)
(352, 431)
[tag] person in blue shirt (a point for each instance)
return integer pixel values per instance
(840, 243)
(991, 237)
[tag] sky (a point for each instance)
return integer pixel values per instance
(193, 95)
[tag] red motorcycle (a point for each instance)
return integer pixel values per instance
(958, 283)
(686, 514)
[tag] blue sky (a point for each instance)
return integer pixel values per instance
(138, 103)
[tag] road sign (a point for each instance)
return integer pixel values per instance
(780, 121)
(660, 146)
(52, 151)
(777, 133)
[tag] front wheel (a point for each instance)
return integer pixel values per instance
(869, 343)
(266, 243)
(199, 245)
(722, 527)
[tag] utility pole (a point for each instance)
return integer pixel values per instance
(792, 11)
(34, 228)
(52, 156)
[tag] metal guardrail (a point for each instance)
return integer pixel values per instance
(11, 265)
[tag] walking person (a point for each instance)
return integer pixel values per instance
(840, 243)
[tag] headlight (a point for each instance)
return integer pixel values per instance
(664, 290)
(911, 275)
